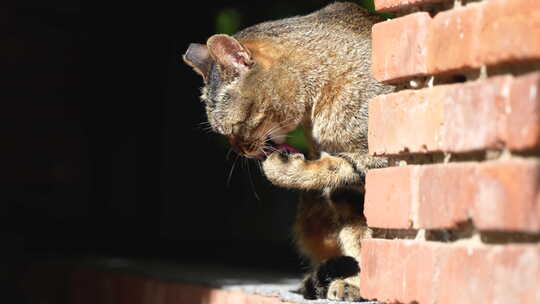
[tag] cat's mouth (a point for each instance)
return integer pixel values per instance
(261, 153)
(273, 146)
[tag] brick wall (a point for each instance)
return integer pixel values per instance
(456, 217)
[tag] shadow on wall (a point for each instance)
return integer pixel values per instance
(103, 153)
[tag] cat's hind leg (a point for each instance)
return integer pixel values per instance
(349, 205)
(329, 280)
(316, 236)
(346, 283)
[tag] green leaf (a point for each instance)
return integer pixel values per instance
(297, 139)
(369, 5)
(228, 21)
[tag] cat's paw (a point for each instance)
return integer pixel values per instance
(308, 290)
(283, 169)
(284, 158)
(339, 290)
(334, 270)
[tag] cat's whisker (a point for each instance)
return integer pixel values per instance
(205, 126)
(251, 183)
(273, 137)
(228, 154)
(279, 136)
(231, 172)
(268, 148)
(207, 130)
(259, 165)
(269, 136)
(264, 149)
(281, 126)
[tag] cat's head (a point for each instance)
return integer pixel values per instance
(242, 93)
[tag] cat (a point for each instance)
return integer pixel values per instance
(312, 71)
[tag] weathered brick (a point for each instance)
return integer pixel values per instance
(488, 33)
(388, 201)
(495, 195)
(432, 272)
(405, 121)
(523, 113)
(395, 5)
(454, 40)
(509, 31)
(493, 113)
(399, 47)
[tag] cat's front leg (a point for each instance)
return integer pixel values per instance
(329, 171)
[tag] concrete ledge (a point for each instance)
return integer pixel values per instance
(128, 281)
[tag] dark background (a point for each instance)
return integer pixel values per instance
(103, 152)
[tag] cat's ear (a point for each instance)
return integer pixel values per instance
(229, 53)
(198, 57)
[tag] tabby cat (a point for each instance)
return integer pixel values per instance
(311, 71)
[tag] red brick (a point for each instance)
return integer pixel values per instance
(395, 5)
(408, 121)
(399, 47)
(432, 272)
(509, 31)
(495, 195)
(493, 113)
(488, 33)
(454, 40)
(387, 201)
(401, 271)
(523, 117)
